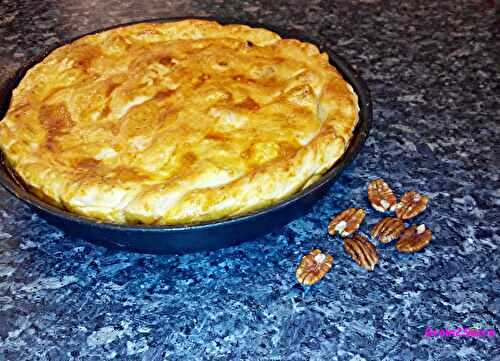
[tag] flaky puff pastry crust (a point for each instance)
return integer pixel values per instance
(177, 122)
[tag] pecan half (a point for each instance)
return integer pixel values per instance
(411, 205)
(362, 251)
(381, 196)
(414, 239)
(347, 222)
(388, 229)
(313, 267)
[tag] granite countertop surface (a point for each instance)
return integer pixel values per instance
(433, 70)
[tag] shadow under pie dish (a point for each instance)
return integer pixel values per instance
(169, 127)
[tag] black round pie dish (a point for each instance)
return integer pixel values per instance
(200, 236)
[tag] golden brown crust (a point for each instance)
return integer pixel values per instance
(177, 122)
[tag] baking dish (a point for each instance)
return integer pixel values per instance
(198, 236)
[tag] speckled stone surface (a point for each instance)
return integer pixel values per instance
(433, 69)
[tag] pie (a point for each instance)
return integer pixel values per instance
(174, 123)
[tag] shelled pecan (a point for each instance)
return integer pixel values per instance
(362, 251)
(414, 239)
(411, 205)
(388, 229)
(347, 222)
(381, 196)
(313, 267)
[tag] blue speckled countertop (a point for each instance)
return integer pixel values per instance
(433, 69)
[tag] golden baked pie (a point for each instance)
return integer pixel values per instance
(177, 122)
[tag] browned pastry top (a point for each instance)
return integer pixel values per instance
(177, 122)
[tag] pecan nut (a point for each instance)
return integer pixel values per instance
(414, 239)
(411, 205)
(362, 251)
(381, 196)
(313, 267)
(388, 229)
(347, 222)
